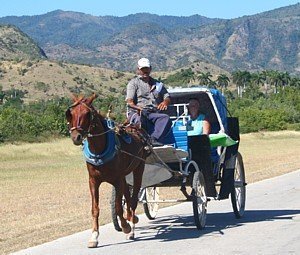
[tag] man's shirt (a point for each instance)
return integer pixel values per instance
(144, 94)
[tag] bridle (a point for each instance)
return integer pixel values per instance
(78, 127)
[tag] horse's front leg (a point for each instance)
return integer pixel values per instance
(94, 189)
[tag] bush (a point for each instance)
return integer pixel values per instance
(278, 112)
(33, 122)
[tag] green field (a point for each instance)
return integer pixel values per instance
(45, 195)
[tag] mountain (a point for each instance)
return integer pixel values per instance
(268, 40)
(14, 44)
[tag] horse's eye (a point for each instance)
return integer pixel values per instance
(89, 115)
(68, 115)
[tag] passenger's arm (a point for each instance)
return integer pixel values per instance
(206, 127)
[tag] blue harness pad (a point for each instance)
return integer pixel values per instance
(104, 157)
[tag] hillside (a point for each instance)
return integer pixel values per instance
(264, 41)
(14, 44)
(43, 79)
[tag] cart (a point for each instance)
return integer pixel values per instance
(195, 163)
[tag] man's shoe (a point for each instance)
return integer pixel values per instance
(155, 143)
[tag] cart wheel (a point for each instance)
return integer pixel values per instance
(151, 209)
(238, 194)
(115, 218)
(199, 200)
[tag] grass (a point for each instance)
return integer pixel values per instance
(45, 195)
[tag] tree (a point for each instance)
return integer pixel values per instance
(187, 75)
(266, 76)
(241, 79)
(204, 78)
(274, 80)
(258, 78)
(222, 81)
(284, 79)
(295, 82)
(2, 95)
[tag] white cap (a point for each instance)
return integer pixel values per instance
(143, 62)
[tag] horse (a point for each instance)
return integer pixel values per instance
(112, 159)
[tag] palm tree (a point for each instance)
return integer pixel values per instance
(295, 82)
(258, 78)
(223, 81)
(187, 75)
(212, 84)
(204, 78)
(267, 75)
(274, 79)
(284, 79)
(241, 79)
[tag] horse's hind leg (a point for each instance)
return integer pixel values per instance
(127, 195)
(119, 208)
(127, 200)
(137, 175)
(94, 189)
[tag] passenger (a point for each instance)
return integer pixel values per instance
(198, 124)
(148, 97)
(201, 152)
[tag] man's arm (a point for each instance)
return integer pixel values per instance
(132, 105)
(131, 94)
(166, 99)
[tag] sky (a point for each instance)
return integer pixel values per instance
(226, 9)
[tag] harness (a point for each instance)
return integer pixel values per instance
(109, 151)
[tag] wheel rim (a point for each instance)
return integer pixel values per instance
(201, 202)
(151, 207)
(239, 187)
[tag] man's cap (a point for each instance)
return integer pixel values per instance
(143, 62)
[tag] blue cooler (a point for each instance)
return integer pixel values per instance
(180, 135)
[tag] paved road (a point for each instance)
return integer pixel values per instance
(271, 225)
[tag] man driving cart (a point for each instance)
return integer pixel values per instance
(147, 98)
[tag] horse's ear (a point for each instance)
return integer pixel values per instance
(74, 98)
(94, 96)
(91, 98)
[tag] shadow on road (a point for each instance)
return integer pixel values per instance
(176, 227)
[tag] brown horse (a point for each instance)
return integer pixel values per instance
(112, 159)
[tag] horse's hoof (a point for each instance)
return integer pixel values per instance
(92, 244)
(130, 236)
(126, 229)
(135, 219)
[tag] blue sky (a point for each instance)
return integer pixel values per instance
(209, 8)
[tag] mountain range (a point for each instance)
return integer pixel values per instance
(269, 40)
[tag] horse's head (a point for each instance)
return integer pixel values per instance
(79, 116)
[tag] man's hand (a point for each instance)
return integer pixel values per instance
(164, 105)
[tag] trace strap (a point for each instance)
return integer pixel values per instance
(108, 153)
